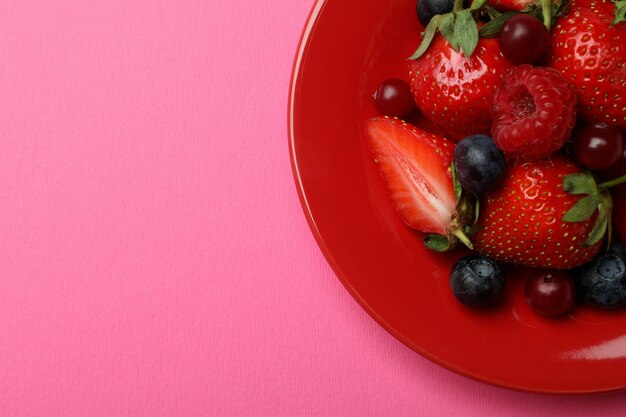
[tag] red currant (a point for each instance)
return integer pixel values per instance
(598, 146)
(393, 98)
(550, 292)
(524, 39)
(617, 169)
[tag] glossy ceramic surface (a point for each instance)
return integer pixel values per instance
(347, 48)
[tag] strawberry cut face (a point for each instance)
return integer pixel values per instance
(415, 167)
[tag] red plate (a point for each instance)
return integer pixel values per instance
(347, 48)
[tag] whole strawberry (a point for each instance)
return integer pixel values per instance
(522, 222)
(589, 49)
(454, 91)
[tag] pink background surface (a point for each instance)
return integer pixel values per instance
(154, 258)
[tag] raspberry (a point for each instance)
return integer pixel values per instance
(534, 112)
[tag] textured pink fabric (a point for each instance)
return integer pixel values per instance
(154, 259)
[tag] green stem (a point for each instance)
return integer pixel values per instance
(612, 183)
(546, 9)
(462, 237)
(458, 5)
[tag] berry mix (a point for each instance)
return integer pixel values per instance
(527, 154)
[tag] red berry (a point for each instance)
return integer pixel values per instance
(550, 292)
(521, 221)
(455, 91)
(534, 112)
(415, 167)
(617, 169)
(524, 39)
(598, 146)
(393, 98)
(591, 54)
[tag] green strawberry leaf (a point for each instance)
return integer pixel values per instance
(607, 202)
(491, 12)
(437, 243)
(581, 183)
(457, 27)
(599, 228)
(467, 32)
(477, 5)
(561, 8)
(458, 190)
(620, 12)
(492, 28)
(583, 209)
(476, 210)
(448, 30)
(584, 183)
(429, 34)
(546, 12)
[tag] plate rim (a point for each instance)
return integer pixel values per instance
(303, 45)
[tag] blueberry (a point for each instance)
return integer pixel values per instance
(602, 282)
(479, 163)
(477, 281)
(427, 9)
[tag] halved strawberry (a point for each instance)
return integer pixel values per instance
(416, 168)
